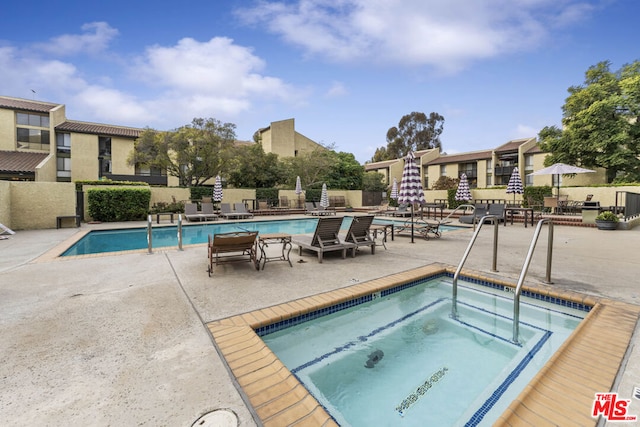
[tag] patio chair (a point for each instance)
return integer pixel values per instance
(310, 209)
(359, 232)
(421, 227)
(498, 209)
(191, 212)
(402, 211)
(207, 211)
(480, 210)
(324, 239)
(241, 210)
(237, 246)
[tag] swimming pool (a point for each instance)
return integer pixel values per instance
(400, 359)
(103, 241)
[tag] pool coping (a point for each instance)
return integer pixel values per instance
(560, 394)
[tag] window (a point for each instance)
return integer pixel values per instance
(104, 155)
(29, 119)
(63, 142)
(33, 139)
(443, 170)
(63, 168)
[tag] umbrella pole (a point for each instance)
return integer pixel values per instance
(412, 223)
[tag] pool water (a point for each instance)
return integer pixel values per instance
(102, 241)
(402, 360)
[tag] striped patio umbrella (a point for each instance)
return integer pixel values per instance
(217, 190)
(298, 190)
(463, 192)
(324, 197)
(515, 184)
(394, 189)
(411, 186)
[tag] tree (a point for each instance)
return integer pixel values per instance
(253, 168)
(373, 181)
(344, 172)
(193, 153)
(414, 132)
(600, 123)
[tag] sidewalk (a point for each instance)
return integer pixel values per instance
(120, 339)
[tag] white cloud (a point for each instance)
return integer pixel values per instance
(445, 34)
(336, 90)
(95, 38)
(166, 87)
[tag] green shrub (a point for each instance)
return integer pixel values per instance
(607, 216)
(119, 204)
(198, 193)
(451, 199)
(160, 207)
(536, 194)
(269, 194)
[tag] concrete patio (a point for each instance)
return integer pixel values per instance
(121, 339)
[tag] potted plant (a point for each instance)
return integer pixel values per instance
(607, 220)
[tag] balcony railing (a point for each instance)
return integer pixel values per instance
(504, 170)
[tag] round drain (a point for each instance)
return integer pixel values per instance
(217, 418)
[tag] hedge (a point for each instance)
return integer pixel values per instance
(119, 204)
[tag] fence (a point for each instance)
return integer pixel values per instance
(630, 202)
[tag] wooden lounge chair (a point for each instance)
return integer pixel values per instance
(232, 247)
(207, 211)
(359, 232)
(191, 212)
(324, 239)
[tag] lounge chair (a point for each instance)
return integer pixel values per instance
(359, 232)
(480, 210)
(324, 239)
(498, 209)
(5, 231)
(191, 212)
(226, 212)
(232, 247)
(421, 227)
(207, 211)
(402, 211)
(310, 209)
(241, 210)
(380, 210)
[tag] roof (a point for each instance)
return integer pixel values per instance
(20, 162)
(461, 158)
(99, 129)
(512, 145)
(379, 165)
(26, 105)
(534, 150)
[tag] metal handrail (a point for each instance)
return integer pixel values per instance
(495, 220)
(465, 206)
(150, 234)
(525, 268)
(180, 232)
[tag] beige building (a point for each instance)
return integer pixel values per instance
(484, 168)
(39, 143)
(282, 139)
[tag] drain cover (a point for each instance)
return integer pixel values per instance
(217, 418)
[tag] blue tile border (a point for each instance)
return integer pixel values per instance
(283, 324)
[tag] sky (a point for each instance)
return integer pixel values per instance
(345, 70)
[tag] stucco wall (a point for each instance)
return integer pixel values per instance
(5, 203)
(84, 157)
(7, 130)
(35, 205)
(120, 150)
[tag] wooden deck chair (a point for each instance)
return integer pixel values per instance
(359, 232)
(324, 239)
(232, 247)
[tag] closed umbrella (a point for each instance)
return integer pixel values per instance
(298, 190)
(324, 197)
(463, 193)
(515, 184)
(217, 190)
(394, 190)
(560, 169)
(411, 186)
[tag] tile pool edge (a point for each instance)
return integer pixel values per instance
(278, 398)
